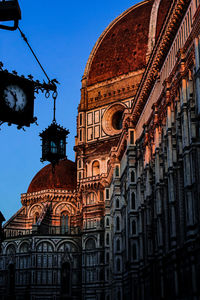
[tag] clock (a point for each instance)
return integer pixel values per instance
(15, 97)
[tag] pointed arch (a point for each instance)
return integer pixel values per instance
(90, 244)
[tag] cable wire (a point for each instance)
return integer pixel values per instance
(26, 41)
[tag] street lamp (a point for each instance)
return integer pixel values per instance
(54, 140)
(54, 143)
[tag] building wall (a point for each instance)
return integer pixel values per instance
(159, 204)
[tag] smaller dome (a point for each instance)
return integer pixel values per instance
(64, 177)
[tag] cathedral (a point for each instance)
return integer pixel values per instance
(122, 222)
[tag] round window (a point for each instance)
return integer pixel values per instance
(112, 119)
(117, 120)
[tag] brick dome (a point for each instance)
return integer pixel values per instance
(123, 46)
(64, 177)
(118, 60)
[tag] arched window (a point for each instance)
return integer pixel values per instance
(117, 203)
(64, 222)
(132, 176)
(118, 265)
(117, 223)
(91, 198)
(95, 168)
(90, 244)
(133, 200)
(44, 247)
(65, 278)
(24, 248)
(133, 227)
(10, 250)
(118, 245)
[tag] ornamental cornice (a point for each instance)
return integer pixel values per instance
(48, 195)
(115, 80)
(159, 53)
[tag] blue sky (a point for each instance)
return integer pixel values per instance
(62, 33)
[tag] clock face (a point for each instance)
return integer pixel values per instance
(15, 97)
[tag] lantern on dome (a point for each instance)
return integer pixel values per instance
(54, 142)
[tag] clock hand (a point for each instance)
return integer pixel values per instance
(15, 98)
